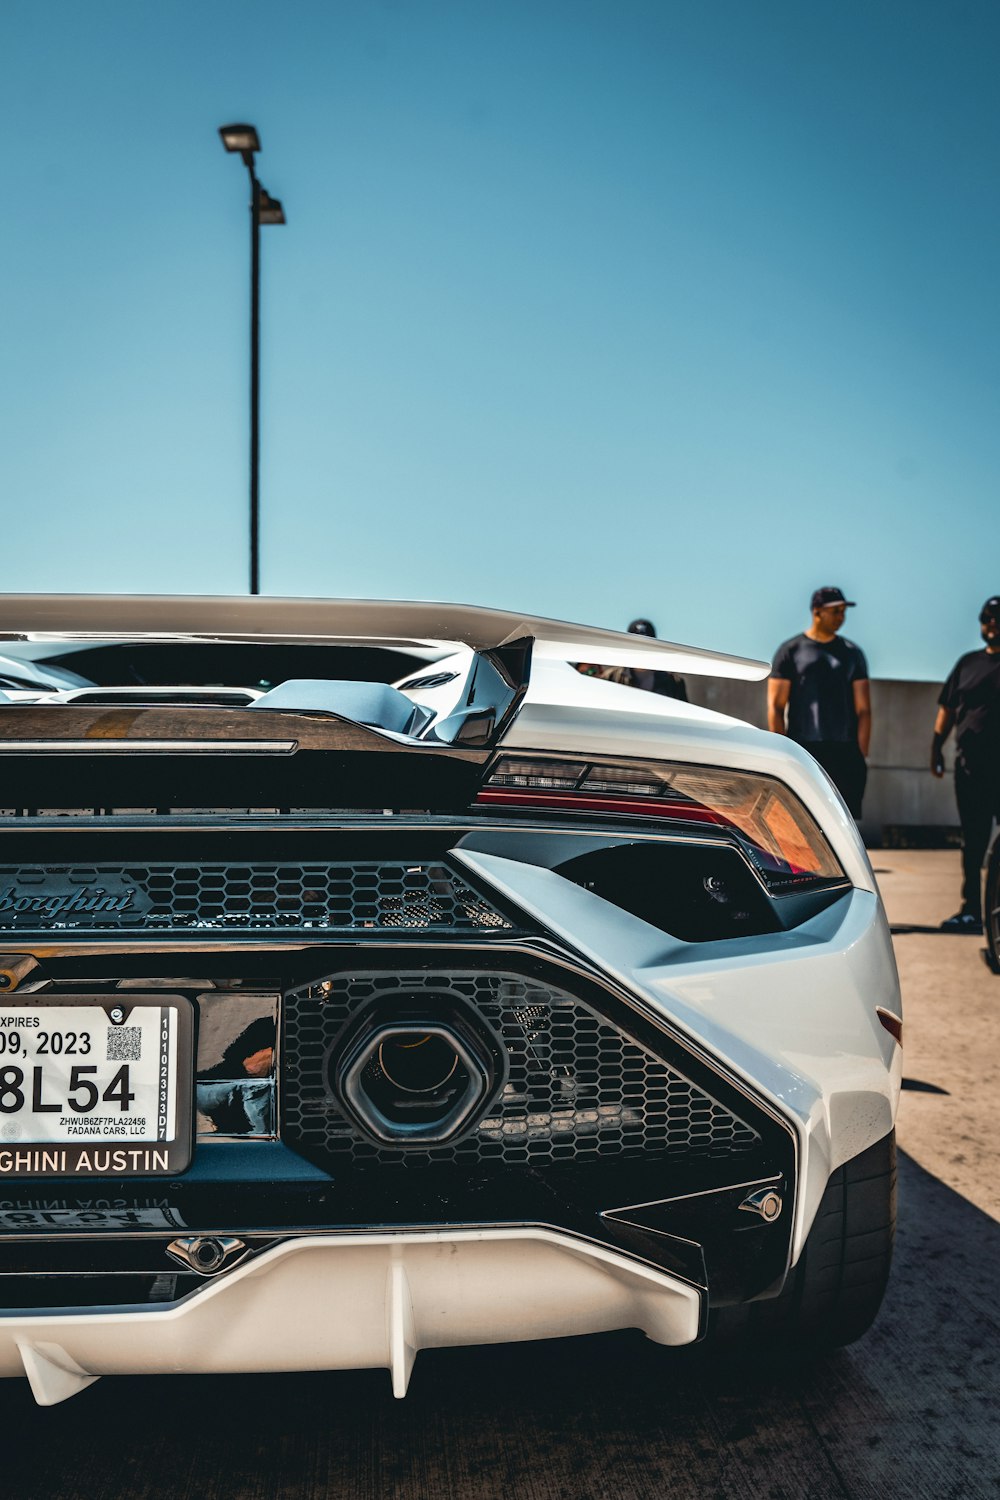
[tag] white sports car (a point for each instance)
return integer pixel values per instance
(372, 980)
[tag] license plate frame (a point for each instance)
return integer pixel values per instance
(52, 1141)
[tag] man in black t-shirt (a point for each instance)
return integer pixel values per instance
(970, 702)
(821, 681)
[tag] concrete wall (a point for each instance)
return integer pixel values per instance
(902, 794)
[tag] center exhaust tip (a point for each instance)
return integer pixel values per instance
(417, 1069)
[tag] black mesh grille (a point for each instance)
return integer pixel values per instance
(363, 897)
(577, 1087)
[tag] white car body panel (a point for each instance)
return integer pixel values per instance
(360, 1301)
(744, 1002)
(741, 999)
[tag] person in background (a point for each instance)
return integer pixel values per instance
(820, 680)
(970, 703)
(655, 682)
(622, 675)
(237, 1094)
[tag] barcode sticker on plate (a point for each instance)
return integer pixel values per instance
(124, 1043)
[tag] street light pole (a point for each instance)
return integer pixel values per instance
(263, 210)
(254, 381)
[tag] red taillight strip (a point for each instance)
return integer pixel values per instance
(636, 807)
(689, 812)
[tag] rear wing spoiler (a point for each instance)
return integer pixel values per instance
(307, 744)
(345, 622)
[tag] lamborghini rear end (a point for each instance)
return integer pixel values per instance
(341, 1019)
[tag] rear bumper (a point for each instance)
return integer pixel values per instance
(356, 1301)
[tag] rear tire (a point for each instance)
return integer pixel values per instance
(991, 909)
(832, 1295)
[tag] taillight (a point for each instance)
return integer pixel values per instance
(778, 834)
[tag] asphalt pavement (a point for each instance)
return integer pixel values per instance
(909, 1411)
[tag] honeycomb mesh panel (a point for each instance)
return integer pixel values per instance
(338, 896)
(577, 1087)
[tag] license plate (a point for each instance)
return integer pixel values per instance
(95, 1086)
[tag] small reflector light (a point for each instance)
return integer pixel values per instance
(893, 1024)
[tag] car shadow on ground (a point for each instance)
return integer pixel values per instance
(903, 929)
(909, 1411)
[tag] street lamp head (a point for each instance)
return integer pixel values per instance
(270, 211)
(241, 138)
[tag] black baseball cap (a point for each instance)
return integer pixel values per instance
(823, 597)
(989, 611)
(642, 627)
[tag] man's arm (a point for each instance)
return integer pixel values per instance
(942, 728)
(779, 690)
(863, 710)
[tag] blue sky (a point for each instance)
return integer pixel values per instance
(591, 308)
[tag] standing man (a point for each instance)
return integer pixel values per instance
(822, 682)
(970, 702)
(655, 682)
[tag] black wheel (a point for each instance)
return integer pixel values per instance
(991, 909)
(832, 1295)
